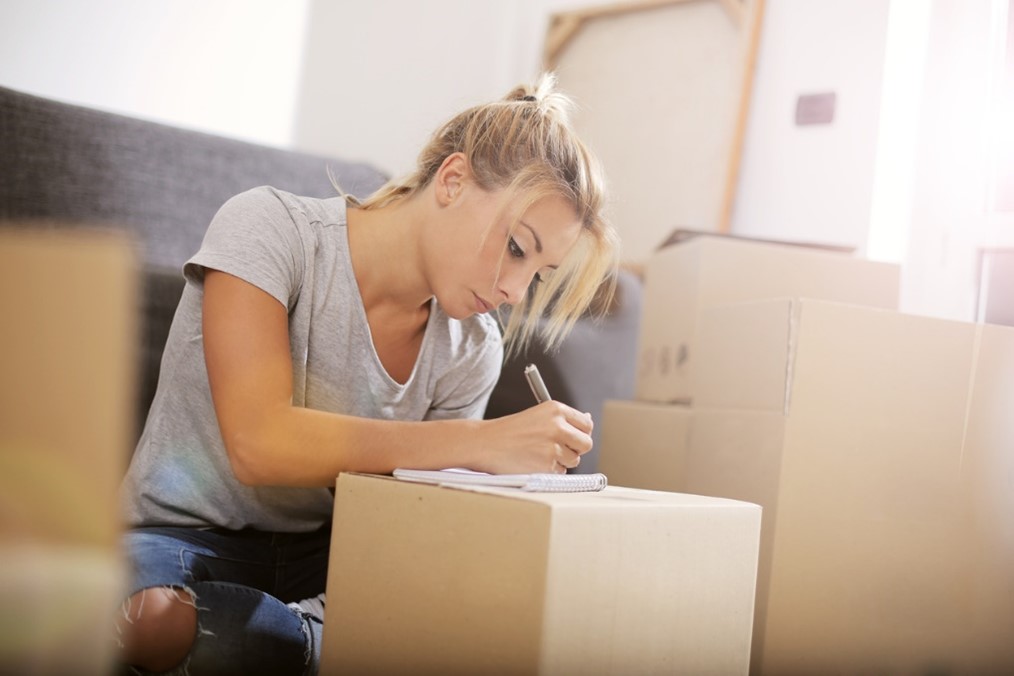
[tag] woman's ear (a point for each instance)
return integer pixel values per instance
(450, 178)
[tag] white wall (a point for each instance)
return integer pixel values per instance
(897, 138)
(813, 183)
(952, 180)
(905, 171)
(228, 67)
(372, 79)
(382, 75)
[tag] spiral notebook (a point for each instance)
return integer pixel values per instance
(538, 482)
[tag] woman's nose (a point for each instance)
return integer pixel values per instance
(514, 287)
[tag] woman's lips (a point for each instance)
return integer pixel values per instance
(482, 305)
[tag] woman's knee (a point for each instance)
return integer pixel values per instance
(158, 627)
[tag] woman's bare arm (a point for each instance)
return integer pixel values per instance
(271, 442)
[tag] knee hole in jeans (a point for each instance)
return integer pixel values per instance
(157, 627)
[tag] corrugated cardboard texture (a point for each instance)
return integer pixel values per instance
(433, 580)
(57, 604)
(885, 481)
(987, 477)
(669, 306)
(66, 340)
(651, 584)
(644, 444)
(683, 280)
(430, 581)
(745, 356)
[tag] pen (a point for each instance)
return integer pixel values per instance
(534, 379)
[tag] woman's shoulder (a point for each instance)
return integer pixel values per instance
(267, 199)
(266, 213)
(252, 206)
(263, 195)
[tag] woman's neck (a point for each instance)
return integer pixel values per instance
(386, 260)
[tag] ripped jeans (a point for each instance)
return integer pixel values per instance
(241, 582)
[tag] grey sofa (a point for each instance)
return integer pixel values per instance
(74, 165)
(70, 164)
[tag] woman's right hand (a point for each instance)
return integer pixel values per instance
(549, 437)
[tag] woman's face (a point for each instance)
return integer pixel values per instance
(488, 265)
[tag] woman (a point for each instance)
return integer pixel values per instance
(321, 336)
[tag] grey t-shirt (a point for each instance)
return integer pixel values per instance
(295, 249)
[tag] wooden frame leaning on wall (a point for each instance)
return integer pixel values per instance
(621, 63)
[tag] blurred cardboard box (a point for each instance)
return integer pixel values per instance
(432, 580)
(684, 279)
(68, 304)
(881, 448)
(57, 608)
(66, 347)
(644, 444)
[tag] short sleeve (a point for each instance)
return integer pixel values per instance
(254, 237)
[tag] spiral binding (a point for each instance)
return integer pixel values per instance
(537, 482)
(564, 483)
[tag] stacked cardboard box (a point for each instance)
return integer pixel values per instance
(683, 280)
(430, 579)
(881, 449)
(66, 343)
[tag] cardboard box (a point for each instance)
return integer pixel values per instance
(66, 354)
(881, 448)
(683, 280)
(987, 481)
(57, 606)
(66, 357)
(432, 580)
(644, 444)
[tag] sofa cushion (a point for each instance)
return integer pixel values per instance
(71, 166)
(160, 296)
(74, 164)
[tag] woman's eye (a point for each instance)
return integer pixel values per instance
(515, 250)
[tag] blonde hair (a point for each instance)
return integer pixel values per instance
(525, 144)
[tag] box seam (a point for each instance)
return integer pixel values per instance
(795, 310)
(969, 394)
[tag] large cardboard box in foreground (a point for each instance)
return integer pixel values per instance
(881, 447)
(431, 580)
(683, 280)
(67, 302)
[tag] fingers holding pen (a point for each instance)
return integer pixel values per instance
(539, 439)
(572, 417)
(582, 421)
(571, 429)
(567, 458)
(556, 435)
